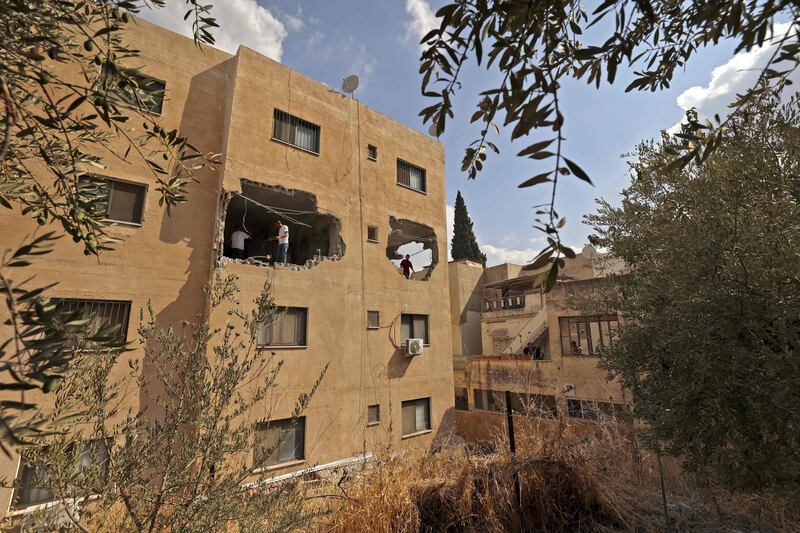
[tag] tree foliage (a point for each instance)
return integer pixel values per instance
(537, 45)
(710, 345)
(186, 463)
(72, 96)
(464, 244)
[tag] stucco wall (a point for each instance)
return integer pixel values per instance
(224, 104)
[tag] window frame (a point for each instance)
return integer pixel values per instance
(401, 163)
(124, 326)
(585, 324)
(371, 148)
(283, 310)
(371, 229)
(417, 431)
(291, 423)
(111, 182)
(292, 124)
(426, 338)
(124, 102)
(464, 404)
(595, 410)
(377, 409)
(378, 315)
(22, 466)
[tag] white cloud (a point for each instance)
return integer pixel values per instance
(294, 22)
(497, 255)
(450, 216)
(422, 19)
(734, 77)
(241, 22)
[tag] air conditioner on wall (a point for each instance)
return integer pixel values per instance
(414, 347)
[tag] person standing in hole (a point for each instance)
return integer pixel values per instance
(407, 266)
(238, 237)
(283, 241)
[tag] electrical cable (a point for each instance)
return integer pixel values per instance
(275, 211)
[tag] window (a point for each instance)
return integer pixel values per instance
(489, 400)
(286, 327)
(279, 441)
(125, 201)
(372, 233)
(108, 317)
(139, 91)
(416, 416)
(373, 319)
(594, 410)
(462, 401)
(373, 414)
(411, 176)
(587, 335)
(372, 152)
(34, 478)
(535, 405)
(295, 131)
(414, 327)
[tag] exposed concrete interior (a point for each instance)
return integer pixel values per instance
(313, 235)
(416, 240)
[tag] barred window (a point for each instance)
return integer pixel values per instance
(372, 152)
(138, 91)
(411, 176)
(296, 131)
(107, 316)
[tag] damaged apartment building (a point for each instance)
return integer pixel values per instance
(357, 192)
(510, 335)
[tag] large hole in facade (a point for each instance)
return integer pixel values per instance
(313, 236)
(418, 242)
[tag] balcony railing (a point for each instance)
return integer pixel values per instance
(512, 301)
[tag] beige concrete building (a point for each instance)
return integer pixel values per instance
(508, 335)
(351, 185)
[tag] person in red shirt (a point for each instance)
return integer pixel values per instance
(407, 267)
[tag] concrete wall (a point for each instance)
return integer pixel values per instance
(466, 280)
(224, 104)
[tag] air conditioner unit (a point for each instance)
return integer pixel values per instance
(414, 347)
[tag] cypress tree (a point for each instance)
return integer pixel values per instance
(464, 244)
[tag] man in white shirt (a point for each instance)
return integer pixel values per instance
(237, 242)
(283, 241)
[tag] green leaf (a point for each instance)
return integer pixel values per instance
(578, 171)
(536, 180)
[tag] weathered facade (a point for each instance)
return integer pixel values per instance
(295, 149)
(508, 335)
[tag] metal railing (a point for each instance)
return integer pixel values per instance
(516, 301)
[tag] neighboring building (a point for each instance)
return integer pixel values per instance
(509, 335)
(352, 185)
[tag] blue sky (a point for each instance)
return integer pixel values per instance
(378, 40)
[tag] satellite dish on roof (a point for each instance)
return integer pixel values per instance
(350, 84)
(434, 130)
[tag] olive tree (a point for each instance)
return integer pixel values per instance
(192, 460)
(71, 97)
(536, 45)
(710, 347)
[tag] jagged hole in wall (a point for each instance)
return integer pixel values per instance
(416, 240)
(314, 236)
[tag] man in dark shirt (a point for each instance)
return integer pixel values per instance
(407, 267)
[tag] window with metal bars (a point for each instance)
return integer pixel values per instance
(295, 131)
(372, 152)
(109, 317)
(411, 176)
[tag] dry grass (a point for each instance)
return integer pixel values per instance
(573, 477)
